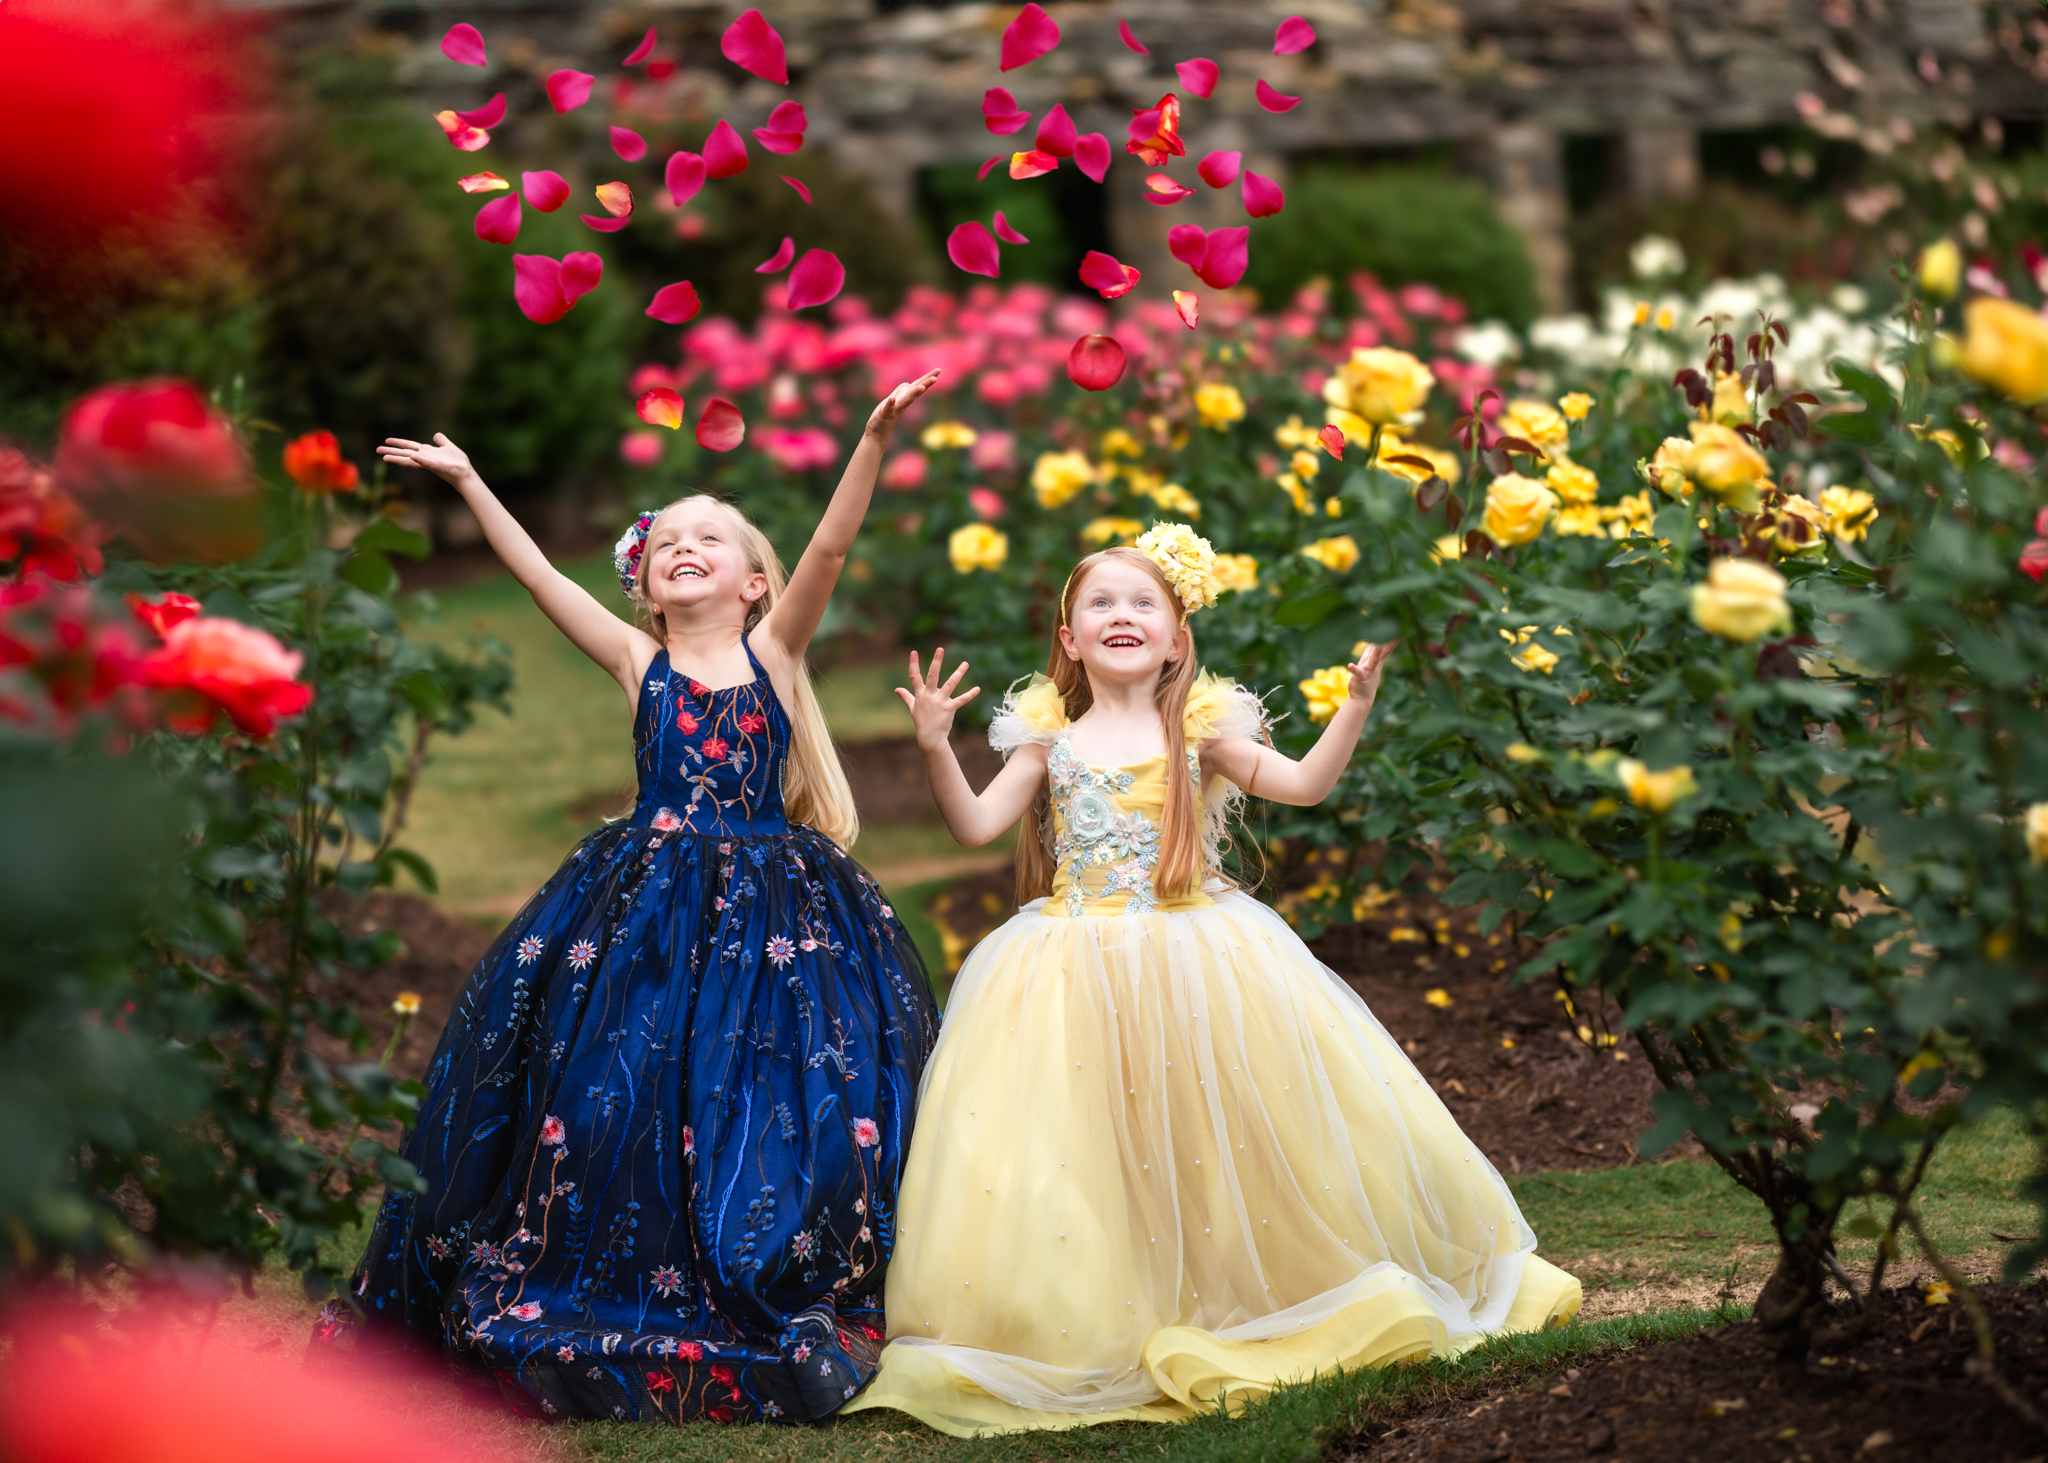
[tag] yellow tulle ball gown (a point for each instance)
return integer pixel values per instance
(1164, 1158)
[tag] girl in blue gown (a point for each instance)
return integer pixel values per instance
(664, 1127)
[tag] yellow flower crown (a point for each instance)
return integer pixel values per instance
(1185, 559)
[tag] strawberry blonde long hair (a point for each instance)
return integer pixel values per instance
(1181, 862)
(814, 786)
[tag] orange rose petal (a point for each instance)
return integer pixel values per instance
(1189, 305)
(481, 183)
(661, 407)
(616, 198)
(1032, 164)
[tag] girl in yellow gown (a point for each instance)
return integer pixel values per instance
(1164, 1158)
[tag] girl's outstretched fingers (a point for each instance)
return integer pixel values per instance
(931, 701)
(883, 420)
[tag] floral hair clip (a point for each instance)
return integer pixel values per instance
(1187, 560)
(627, 551)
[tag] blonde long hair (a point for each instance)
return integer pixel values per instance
(1181, 862)
(814, 786)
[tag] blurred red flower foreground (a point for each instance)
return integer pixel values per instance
(158, 465)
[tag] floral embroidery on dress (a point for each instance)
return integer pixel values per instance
(1092, 832)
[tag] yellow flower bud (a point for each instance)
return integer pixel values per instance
(1657, 791)
(1741, 600)
(1575, 406)
(1642, 312)
(1534, 659)
(1516, 509)
(1340, 553)
(1057, 476)
(407, 1003)
(2005, 346)
(2037, 833)
(977, 546)
(1941, 269)
(1731, 400)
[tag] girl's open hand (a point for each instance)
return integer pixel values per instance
(440, 457)
(931, 704)
(1365, 675)
(883, 421)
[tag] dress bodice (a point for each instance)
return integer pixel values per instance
(710, 762)
(1106, 823)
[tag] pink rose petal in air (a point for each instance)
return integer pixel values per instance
(720, 427)
(817, 279)
(490, 114)
(1091, 155)
(1262, 196)
(580, 275)
(675, 303)
(1028, 37)
(1225, 256)
(1294, 34)
(1199, 76)
(616, 199)
(1000, 112)
(785, 130)
(544, 190)
(660, 407)
(628, 144)
(801, 191)
(497, 222)
(461, 135)
(752, 44)
(1123, 29)
(1107, 276)
(1332, 439)
(1272, 100)
(987, 168)
(684, 176)
(481, 183)
(568, 90)
(1056, 133)
(725, 151)
(1162, 190)
(971, 247)
(1033, 164)
(537, 287)
(642, 51)
(784, 143)
(464, 45)
(1188, 305)
(1220, 169)
(1006, 233)
(604, 224)
(1096, 362)
(1186, 242)
(779, 260)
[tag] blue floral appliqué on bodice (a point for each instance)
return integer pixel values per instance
(710, 761)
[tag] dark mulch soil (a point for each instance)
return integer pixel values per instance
(888, 777)
(440, 951)
(1724, 1396)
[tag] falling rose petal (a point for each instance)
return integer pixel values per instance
(1262, 196)
(1225, 257)
(661, 407)
(1107, 276)
(537, 286)
(784, 143)
(1332, 439)
(684, 176)
(580, 275)
(464, 45)
(497, 222)
(1274, 101)
(1033, 164)
(817, 279)
(490, 114)
(752, 44)
(1006, 233)
(725, 151)
(785, 130)
(460, 135)
(603, 223)
(1096, 362)
(1000, 112)
(1188, 305)
(721, 428)
(481, 183)
(1186, 242)
(1056, 133)
(544, 190)
(675, 303)
(616, 199)
(1028, 37)
(1199, 76)
(1294, 34)
(987, 168)
(1164, 140)
(628, 144)
(1123, 29)
(1162, 190)
(779, 260)
(1220, 169)
(1091, 155)
(971, 247)
(642, 51)
(568, 90)
(801, 191)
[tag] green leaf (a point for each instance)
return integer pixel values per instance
(389, 537)
(404, 858)
(371, 572)
(1310, 609)
(428, 698)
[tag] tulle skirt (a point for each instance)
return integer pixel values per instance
(1167, 1160)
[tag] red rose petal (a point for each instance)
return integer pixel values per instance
(628, 144)
(1028, 37)
(1225, 257)
(1332, 439)
(537, 286)
(725, 151)
(464, 137)
(1091, 155)
(481, 183)
(817, 279)
(1188, 305)
(1262, 196)
(616, 199)
(1107, 276)
(1186, 242)
(1199, 76)
(784, 143)
(568, 90)
(684, 176)
(1123, 29)
(464, 45)
(642, 51)
(1272, 100)
(801, 191)
(2033, 561)
(1163, 141)
(661, 407)
(490, 114)
(546, 191)
(1056, 133)
(987, 168)
(1096, 362)
(779, 260)
(789, 116)
(1006, 233)
(1033, 164)
(1162, 190)
(972, 249)
(720, 427)
(580, 274)
(752, 44)
(497, 222)
(604, 224)
(675, 303)
(1000, 112)
(1220, 169)
(1294, 34)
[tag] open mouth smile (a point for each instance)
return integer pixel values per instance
(1122, 642)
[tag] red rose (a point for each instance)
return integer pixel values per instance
(154, 462)
(685, 723)
(163, 615)
(42, 526)
(232, 667)
(2034, 559)
(315, 463)
(753, 723)
(77, 663)
(715, 749)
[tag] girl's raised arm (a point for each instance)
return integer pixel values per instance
(794, 620)
(1263, 772)
(972, 819)
(591, 628)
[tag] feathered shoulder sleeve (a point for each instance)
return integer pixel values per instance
(1037, 713)
(1219, 707)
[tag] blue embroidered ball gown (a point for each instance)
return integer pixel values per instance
(664, 1128)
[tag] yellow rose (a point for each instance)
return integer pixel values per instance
(1305, 465)
(1057, 476)
(1731, 400)
(1380, 384)
(1633, 514)
(1172, 497)
(1667, 468)
(1295, 491)
(1535, 658)
(1793, 509)
(1447, 548)
(1516, 509)
(1572, 483)
(1726, 464)
(2006, 347)
(1941, 269)
(1294, 433)
(1741, 600)
(1218, 405)
(1657, 791)
(1326, 690)
(2037, 833)
(1665, 318)
(1532, 421)
(1338, 553)
(977, 546)
(1575, 406)
(1642, 312)
(941, 435)
(1116, 442)
(1444, 464)
(1099, 531)
(1236, 572)
(1850, 512)
(1580, 520)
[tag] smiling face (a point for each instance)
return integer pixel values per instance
(696, 559)
(1123, 623)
